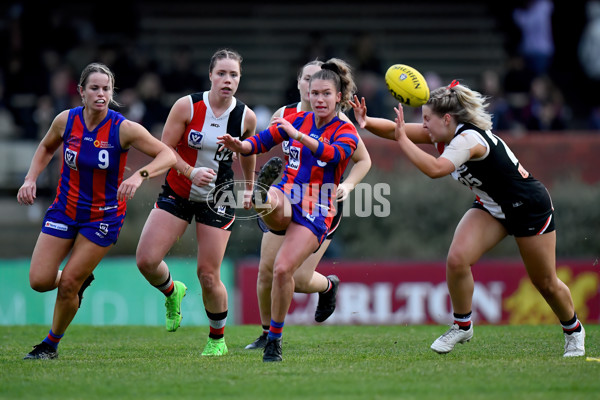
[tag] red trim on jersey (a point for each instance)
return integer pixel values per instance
(178, 182)
(73, 198)
(99, 179)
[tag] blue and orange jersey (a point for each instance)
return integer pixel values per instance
(92, 169)
(312, 178)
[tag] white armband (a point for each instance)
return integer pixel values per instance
(458, 150)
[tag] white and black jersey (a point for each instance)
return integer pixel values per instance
(198, 146)
(502, 186)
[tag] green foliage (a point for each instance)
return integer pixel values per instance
(320, 362)
(423, 215)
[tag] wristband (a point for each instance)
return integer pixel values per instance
(300, 137)
(144, 174)
(193, 173)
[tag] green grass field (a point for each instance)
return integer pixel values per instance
(320, 362)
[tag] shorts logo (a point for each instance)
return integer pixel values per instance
(195, 139)
(221, 210)
(54, 225)
(103, 228)
(71, 158)
(294, 159)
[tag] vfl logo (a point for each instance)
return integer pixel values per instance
(71, 158)
(403, 76)
(294, 161)
(195, 139)
(103, 228)
(285, 146)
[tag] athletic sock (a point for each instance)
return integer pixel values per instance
(463, 320)
(167, 287)
(53, 339)
(265, 329)
(275, 330)
(329, 286)
(572, 325)
(217, 324)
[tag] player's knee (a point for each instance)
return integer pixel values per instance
(40, 285)
(68, 287)
(456, 263)
(145, 261)
(208, 280)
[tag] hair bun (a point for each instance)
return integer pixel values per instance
(331, 66)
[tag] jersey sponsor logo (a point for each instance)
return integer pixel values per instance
(107, 208)
(215, 125)
(101, 144)
(195, 139)
(54, 225)
(294, 159)
(71, 158)
(321, 164)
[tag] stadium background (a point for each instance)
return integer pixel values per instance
(160, 51)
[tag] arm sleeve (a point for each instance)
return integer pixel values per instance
(458, 150)
(267, 139)
(343, 146)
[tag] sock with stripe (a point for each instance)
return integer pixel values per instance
(275, 330)
(265, 329)
(53, 339)
(329, 286)
(217, 324)
(167, 287)
(572, 325)
(463, 320)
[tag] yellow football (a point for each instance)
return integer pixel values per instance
(407, 85)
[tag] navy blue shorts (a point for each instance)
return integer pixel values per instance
(103, 232)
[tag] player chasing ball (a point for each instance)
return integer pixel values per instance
(509, 201)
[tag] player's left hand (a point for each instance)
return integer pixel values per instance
(128, 187)
(400, 124)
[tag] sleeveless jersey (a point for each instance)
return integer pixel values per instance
(198, 147)
(497, 179)
(92, 169)
(311, 178)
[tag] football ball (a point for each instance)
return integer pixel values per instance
(407, 85)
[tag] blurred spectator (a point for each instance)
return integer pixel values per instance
(537, 42)
(498, 106)
(589, 45)
(150, 89)
(546, 110)
(516, 84)
(132, 107)
(182, 78)
(369, 72)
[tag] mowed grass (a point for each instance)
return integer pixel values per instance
(320, 362)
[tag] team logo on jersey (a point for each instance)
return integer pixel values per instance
(195, 139)
(71, 158)
(294, 159)
(321, 164)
